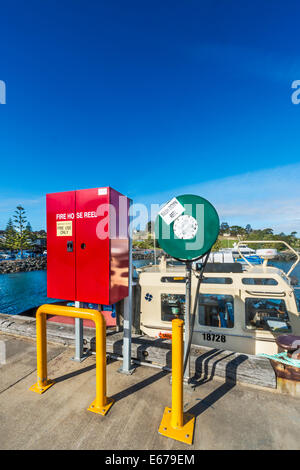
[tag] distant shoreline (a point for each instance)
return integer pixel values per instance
(38, 264)
(23, 265)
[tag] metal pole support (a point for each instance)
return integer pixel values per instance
(176, 424)
(102, 403)
(188, 289)
(127, 366)
(79, 355)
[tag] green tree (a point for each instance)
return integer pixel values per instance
(269, 231)
(28, 227)
(41, 234)
(150, 226)
(237, 230)
(224, 228)
(10, 236)
(217, 246)
(20, 220)
(30, 233)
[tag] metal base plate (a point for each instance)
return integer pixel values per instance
(82, 358)
(104, 409)
(184, 434)
(37, 389)
(126, 372)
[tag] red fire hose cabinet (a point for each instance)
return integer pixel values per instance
(88, 245)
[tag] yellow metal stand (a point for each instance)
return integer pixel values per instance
(42, 388)
(102, 403)
(176, 424)
(101, 410)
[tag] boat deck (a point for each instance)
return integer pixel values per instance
(228, 415)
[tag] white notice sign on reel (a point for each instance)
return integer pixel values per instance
(171, 211)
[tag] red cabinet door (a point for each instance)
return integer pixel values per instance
(119, 247)
(87, 245)
(92, 245)
(61, 238)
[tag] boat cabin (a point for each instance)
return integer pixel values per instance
(240, 308)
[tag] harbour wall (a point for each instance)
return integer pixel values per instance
(23, 265)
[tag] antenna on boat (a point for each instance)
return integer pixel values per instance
(186, 228)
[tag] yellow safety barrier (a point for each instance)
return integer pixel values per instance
(102, 403)
(176, 424)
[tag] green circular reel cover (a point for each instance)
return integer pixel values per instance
(187, 227)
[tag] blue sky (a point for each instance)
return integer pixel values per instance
(152, 98)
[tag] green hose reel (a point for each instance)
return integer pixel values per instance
(187, 227)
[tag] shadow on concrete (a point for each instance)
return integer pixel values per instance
(74, 373)
(139, 386)
(230, 379)
(202, 362)
(109, 360)
(124, 393)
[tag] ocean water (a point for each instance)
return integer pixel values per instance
(22, 291)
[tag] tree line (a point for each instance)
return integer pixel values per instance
(239, 233)
(18, 234)
(268, 234)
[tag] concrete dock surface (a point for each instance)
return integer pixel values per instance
(228, 416)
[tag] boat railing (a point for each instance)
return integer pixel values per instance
(270, 241)
(263, 293)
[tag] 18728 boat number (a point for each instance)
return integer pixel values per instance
(213, 337)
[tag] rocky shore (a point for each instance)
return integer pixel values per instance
(36, 264)
(285, 256)
(23, 265)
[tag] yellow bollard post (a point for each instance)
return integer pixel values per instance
(176, 424)
(41, 353)
(177, 374)
(102, 403)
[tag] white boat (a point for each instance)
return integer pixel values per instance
(241, 249)
(221, 256)
(231, 255)
(240, 308)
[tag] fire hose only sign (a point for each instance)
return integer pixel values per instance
(64, 229)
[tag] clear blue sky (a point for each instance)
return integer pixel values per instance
(150, 97)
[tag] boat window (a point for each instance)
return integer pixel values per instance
(172, 306)
(297, 303)
(267, 314)
(172, 279)
(217, 280)
(260, 281)
(216, 310)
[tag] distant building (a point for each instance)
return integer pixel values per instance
(139, 236)
(142, 235)
(40, 242)
(39, 245)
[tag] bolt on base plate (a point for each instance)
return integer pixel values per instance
(37, 389)
(103, 409)
(184, 434)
